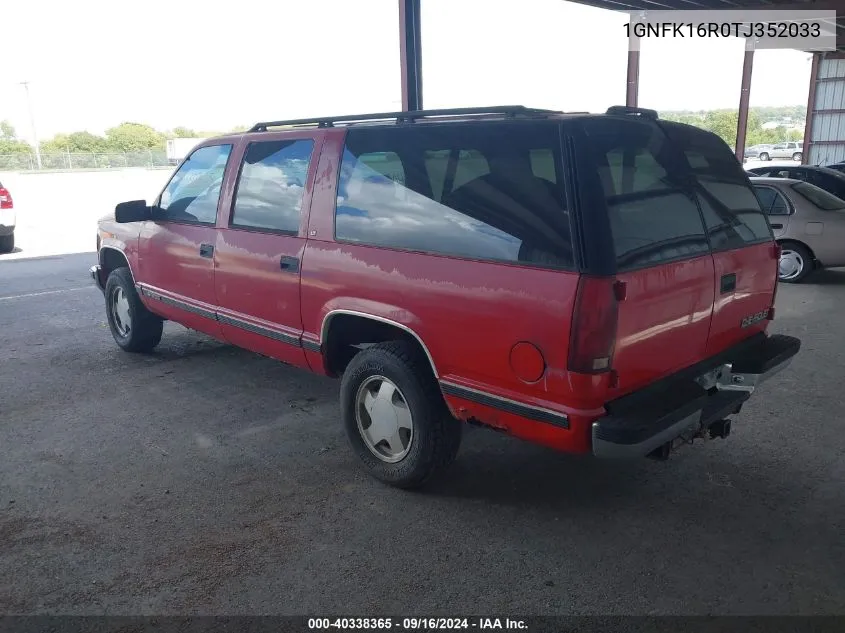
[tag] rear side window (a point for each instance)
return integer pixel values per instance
(480, 191)
(652, 217)
(271, 185)
(771, 200)
(730, 207)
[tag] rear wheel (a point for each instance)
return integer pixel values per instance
(134, 328)
(796, 262)
(7, 243)
(764, 156)
(797, 156)
(395, 416)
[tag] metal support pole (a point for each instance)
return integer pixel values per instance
(410, 54)
(811, 107)
(632, 89)
(25, 85)
(744, 98)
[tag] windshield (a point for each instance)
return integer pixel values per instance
(819, 197)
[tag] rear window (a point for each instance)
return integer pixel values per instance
(480, 191)
(819, 197)
(730, 207)
(652, 217)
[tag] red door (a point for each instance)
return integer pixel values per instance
(259, 248)
(177, 247)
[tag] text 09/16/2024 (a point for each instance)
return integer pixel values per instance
(417, 623)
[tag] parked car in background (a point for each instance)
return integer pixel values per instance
(442, 266)
(792, 149)
(808, 223)
(830, 180)
(761, 152)
(7, 221)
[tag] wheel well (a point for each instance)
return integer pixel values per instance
(349, 333)
(112, 259)
(799, 243)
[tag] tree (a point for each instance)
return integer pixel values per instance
(133, 137)
(7, 131)
(183, 132)
(9, 141)
(722, 123)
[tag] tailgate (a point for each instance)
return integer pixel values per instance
(745, 256)
(745, 287)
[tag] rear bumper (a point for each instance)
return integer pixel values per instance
(639, 424)
(96, 274)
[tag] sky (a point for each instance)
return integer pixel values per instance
(213, 65)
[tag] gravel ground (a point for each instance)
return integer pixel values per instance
(206, 479)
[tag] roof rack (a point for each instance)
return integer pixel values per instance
(645, 112)
(408, 116)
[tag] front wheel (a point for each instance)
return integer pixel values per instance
(395, 417)
(764, 156)
(134, 328)
(797, 156)
(796, 262)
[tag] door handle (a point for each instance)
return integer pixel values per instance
(289, 264)
(206, 250)
(777, 226)
(728, 283)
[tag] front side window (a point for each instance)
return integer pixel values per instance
(193, 193)
(468, 190)
(731, 210)
(652, 217)
(819, 197)
(271, 185)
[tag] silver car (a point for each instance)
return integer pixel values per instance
(808, 223)
(759, 151)
(792, 150)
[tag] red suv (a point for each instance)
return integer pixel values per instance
(593, 283)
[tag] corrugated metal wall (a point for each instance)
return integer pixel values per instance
(827, 137)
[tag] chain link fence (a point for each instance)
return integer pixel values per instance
(83, 160)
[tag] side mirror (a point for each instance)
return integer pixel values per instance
(132, 211)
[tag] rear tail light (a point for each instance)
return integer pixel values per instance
(5, 199)
(592, 338)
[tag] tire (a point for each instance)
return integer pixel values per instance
(764, 156)
(434, 436)
(7, 243)
(143, 330)
(797, 156)
(795, 264)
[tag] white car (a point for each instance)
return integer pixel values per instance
(7, 221)
(792, 150)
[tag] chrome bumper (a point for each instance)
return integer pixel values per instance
(690, 408)
(97, 277)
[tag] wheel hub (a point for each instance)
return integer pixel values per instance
(120, 312)
(791, 264)
(384, 419)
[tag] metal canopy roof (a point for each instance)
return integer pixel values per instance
(698, 5)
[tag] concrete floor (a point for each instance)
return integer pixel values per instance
(205, 479)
